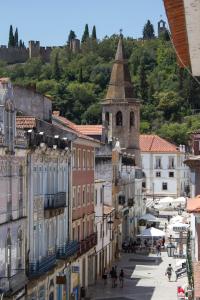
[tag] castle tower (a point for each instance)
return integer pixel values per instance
(121, 111)
(161, 27)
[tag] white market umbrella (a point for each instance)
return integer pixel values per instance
(176, 219)
(180, 200)
(150, 218)
(166, 200)
(152, 232)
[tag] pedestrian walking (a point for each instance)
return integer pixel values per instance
(113, 277)
(121, 278)
(158, 249)
(169, 272)
(105, 276)
(163, 241)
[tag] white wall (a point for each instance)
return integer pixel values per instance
(154, 184)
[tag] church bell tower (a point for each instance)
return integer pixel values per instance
(121, 111)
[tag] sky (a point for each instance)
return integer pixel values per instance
(50, 21)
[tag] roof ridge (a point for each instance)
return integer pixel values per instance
(152, 142)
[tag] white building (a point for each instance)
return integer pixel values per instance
(104, 216)
(163, 166)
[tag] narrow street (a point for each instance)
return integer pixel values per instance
(144, 280)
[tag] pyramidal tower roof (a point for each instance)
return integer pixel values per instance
(120, 88)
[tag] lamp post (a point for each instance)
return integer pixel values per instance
(170, 247)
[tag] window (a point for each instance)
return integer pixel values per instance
(119, 120)
(88, 193)
(144, 184)
(132, 119)
(171, 162)
(101, 231)
(79, 158)
(101, 195)
(171, 174)
(158, 163)
(92, 160)
(74, 196)
(164, 186)
(74, 158)
(88, 159)
(8, 253)
(84, 159)
(83, 194)
(158, 174)
(79, 196)
(19, 249)
(96, 194)
(92, 193)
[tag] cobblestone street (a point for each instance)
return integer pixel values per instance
(144, 280)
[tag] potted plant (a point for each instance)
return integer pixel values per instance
(142, 225)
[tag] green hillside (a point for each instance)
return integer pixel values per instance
(77, 83)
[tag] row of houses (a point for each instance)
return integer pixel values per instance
(68, 199)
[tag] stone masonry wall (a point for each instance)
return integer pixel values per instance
(13, 55)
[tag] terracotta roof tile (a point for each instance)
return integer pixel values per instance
(25, 122)
(154, 143)
(90, 129)
(73, 127)
(193, 204)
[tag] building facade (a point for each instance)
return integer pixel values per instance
(13, 215)
(164, 168)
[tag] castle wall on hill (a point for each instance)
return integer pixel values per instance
(13, 55)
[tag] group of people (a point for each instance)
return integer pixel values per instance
(114, 276)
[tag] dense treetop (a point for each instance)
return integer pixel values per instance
(77, 83)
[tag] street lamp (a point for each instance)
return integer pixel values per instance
(170, 248)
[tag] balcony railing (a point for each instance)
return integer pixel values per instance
(12, 284)
(87, 243)
(57, 200)
(68, 249)
(38, 268)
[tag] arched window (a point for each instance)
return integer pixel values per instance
(132, 119)
(119, 119)
(107, 118)
(19, 248)
(8, 253)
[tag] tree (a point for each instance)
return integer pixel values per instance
(11, 40)
(143, 85)
(148, 31)
(80, 75)
(56, 68)
(94, 35)
(16, 42)
(71, 36)
(86, 35)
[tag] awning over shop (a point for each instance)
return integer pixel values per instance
(108, 209)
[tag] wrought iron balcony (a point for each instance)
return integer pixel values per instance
(12, 284)
(87, 243)
(68, 249)
(38, 268)
(57, 200)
